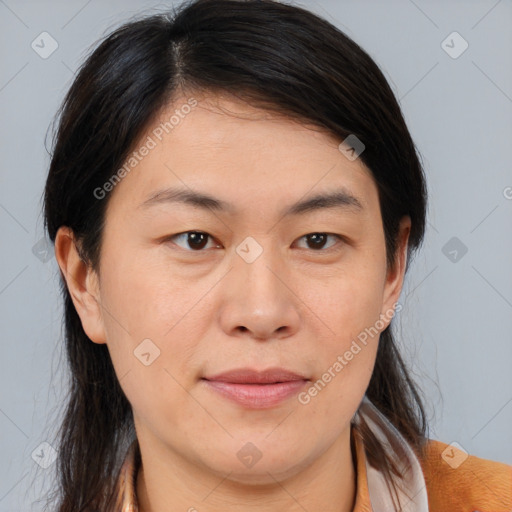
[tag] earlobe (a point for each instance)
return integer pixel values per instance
(82, 284)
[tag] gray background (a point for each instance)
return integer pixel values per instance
(457, 318)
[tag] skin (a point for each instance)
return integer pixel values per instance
(208, 310)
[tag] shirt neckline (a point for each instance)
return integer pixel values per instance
(371, 487)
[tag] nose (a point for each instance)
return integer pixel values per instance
(259, 300)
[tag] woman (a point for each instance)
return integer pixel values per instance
(234, 199)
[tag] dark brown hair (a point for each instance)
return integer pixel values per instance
(278, 57)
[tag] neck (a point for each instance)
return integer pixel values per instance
(172, 484)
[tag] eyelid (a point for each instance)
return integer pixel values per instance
(340, 238)
(171, 237)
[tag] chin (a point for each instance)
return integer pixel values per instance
(251, 466)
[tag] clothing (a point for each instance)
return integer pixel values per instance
(445, 480)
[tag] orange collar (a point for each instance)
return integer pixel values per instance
(476, 484)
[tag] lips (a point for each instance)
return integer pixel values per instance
(256, 389)
(250, 376)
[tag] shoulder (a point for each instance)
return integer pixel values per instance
(458, 481)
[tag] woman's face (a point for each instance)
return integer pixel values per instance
(265, 284)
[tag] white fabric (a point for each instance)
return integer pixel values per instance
(415, 498)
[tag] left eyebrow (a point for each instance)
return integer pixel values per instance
(340, 198)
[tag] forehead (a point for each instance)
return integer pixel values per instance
(224, 147)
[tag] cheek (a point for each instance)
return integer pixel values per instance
(144, 298)
(149, 337)
(346, 303)
(158, 399)
(346, 355)
(151, 340)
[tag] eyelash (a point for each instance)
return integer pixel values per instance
(184, 233)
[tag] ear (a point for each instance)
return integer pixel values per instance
(395, 275)
(82, 283)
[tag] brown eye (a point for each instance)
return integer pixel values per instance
(317, 241)
(193, 240)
